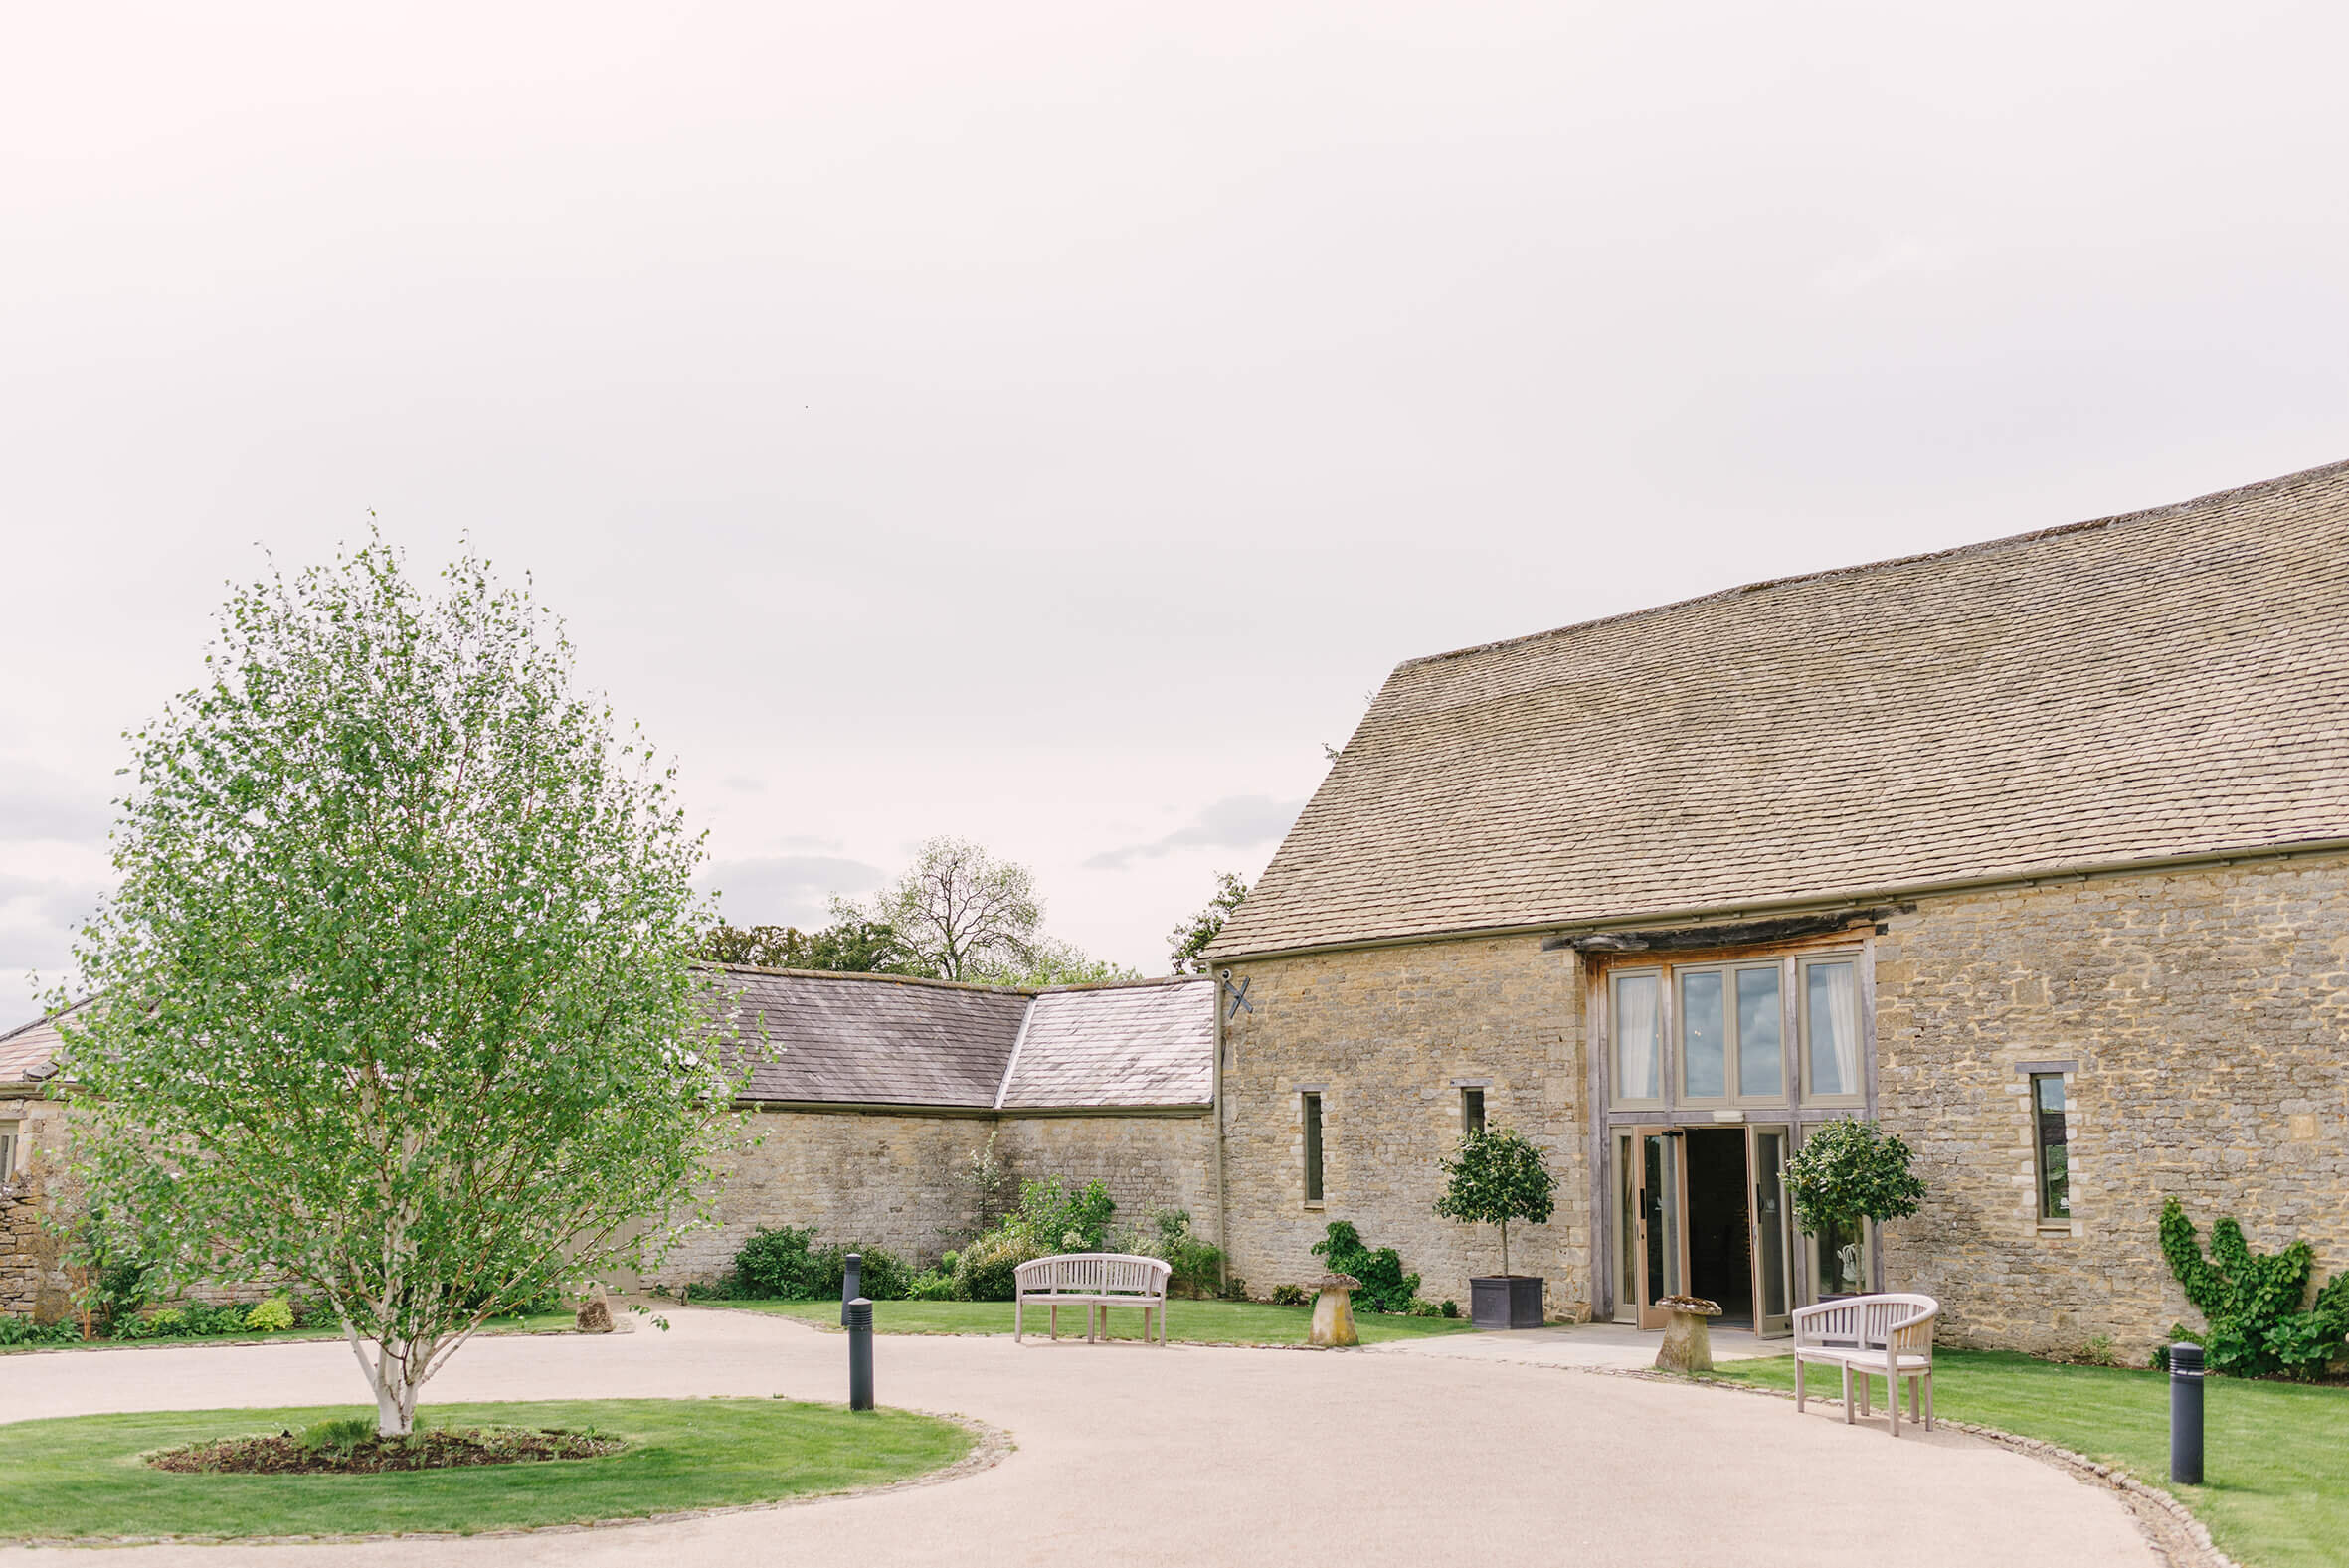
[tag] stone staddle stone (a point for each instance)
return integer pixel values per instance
(1333, 1311)
(594, 1313)
(1688, 1335)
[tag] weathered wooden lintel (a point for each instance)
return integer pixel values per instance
(1741, 934)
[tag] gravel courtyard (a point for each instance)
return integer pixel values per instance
(1196, 1455)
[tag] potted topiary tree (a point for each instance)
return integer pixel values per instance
(1494, 1177)
(1848, 1173)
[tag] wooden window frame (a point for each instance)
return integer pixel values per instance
(1732, 1056)
(1863, 993)
(1661, 974)
(1472, 1108)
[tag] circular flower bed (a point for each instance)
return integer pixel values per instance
(351, 1448)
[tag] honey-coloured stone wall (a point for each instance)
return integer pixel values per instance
(890, 1179)
(2207, 1010)
(1388, 1036)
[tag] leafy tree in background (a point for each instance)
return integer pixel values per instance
(397, 995)
(1495, 1178)
(1187, 940)
(761, 947)
(850, 943)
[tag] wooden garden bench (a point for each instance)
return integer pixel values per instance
(1095, 1281)
(1888, 1336)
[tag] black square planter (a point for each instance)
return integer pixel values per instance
(1505, 1301)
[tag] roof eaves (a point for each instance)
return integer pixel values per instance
(1808, 901)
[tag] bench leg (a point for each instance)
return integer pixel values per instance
(1847, 1393)
(1055, 1322)
(1018, 1306)
(1928, 1382)
(1799, 1385)
(1893, 1399)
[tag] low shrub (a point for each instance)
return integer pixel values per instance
(785, 1264)
(1385, 1288)
(1233, 1289)
(1290, 1296)
(273, 1316)
(938, 1285)
(1060, 1220)
(23, 1331)
(987, 1270)
(882, 1277)
(780, 1263)
(1421, 1306)
(1451, 1309)
(1196, 1263)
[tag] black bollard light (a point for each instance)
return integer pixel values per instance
(851, 1283)
(861, 1354)
(2186, 1415)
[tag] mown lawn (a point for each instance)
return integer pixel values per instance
(1188, 1322)
(81, 1475)
(2276, 1466)
(534, 1324)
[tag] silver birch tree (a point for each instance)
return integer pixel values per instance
(395, 1001)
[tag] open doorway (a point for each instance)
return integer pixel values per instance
(1720, 1223)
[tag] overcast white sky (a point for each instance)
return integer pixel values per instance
(1048, 424)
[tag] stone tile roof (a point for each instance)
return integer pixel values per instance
(883, 1040)
(859, 1039)
(28, 1052)
(1126, 1045)
(2166, 683)
(869, 1040)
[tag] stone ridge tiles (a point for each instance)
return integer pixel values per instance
(2156, 685)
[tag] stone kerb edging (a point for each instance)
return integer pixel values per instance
(2181, 1539)
(992, 1447)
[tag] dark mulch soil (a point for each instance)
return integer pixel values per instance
(429, 1448)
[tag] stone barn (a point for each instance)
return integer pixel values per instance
(2036, 852)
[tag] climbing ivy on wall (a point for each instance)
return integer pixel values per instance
(2251, 1300)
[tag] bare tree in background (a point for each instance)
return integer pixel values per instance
(962, 914)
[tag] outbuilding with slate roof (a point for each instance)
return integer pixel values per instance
(2036, 852)
(873, 1095)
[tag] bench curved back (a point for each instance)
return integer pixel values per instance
(1894, 1319)
(1091, 1273)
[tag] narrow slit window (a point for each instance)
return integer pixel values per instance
(7, 1150)
(2054, 1142)
(1312, 1149)
(1471, 1111)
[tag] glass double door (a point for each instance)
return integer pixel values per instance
(1703, 1213)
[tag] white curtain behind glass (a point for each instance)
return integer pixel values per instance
(1835, 1028)
(1636, 1070)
